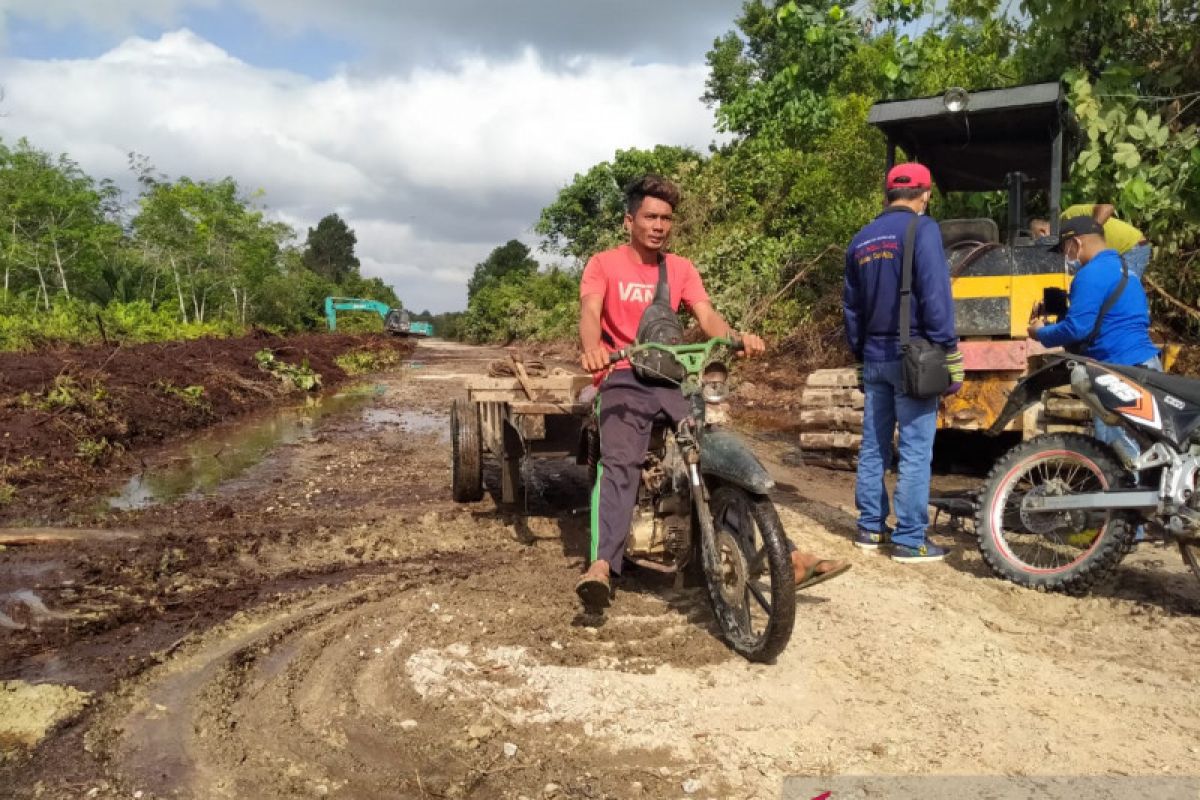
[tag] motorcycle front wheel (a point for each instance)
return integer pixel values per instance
(749, 575)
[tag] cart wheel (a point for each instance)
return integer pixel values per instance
(466, 462)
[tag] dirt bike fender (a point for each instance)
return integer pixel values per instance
(725, 456)
(1029, 391)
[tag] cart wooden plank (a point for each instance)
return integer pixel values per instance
(527, 407)
(482, 383)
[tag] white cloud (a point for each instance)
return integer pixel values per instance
(407, 32)
(432, 169)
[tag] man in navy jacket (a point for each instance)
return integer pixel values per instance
(871, 309)
(1124, 335)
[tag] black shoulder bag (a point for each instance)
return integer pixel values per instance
(1080, 348)
(923, 371)
(659, 325)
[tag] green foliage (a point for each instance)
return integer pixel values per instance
(586, 216)
(359, 362)
(78, 322)
(1147, 168)
(300, 377)
(94, 451)
(67, 394)
(188, 258)
(329, 249)
(8, 493)
(192, 396)
(539, 307)
(509, 260)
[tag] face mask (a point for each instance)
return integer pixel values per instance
(1073, 265)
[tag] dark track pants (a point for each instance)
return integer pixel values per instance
(627, 411)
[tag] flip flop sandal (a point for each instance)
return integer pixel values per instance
(812, 577)
(595, 593)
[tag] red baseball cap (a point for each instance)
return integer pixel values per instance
(909, 176)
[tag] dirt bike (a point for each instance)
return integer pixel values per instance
(1060, 511)
(702, 502)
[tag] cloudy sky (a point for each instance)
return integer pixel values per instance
(437, 128)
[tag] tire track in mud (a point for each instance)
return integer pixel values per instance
(256, 706)
(395, 689)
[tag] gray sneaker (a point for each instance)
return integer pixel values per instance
(917, 555)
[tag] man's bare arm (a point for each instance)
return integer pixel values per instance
(1103, 212)
(713, 325)
(595, 357)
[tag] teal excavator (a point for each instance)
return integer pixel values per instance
(395, 320)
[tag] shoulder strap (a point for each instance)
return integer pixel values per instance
(1109, 301)
(662, 294)
(910, 235)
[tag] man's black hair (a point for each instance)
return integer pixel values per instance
(650, 186)
(904, 193)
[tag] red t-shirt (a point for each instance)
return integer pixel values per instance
(627, 286)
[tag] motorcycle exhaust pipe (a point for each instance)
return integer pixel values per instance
(1081, 384)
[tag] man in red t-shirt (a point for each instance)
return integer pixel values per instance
(617, 286)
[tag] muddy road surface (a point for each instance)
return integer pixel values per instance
(329, 623)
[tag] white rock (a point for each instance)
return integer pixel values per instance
(510, 749)
(589, 729)
(321, 791)
(550, 789)
(408, 725)
(555, 646)
(691, 786)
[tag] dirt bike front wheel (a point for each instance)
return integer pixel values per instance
(1065, 551)
(750, 579)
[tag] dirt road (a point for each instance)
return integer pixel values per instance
(330, 624)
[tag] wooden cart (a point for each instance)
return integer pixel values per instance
(512, 418)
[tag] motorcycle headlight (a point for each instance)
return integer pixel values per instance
(714, 383)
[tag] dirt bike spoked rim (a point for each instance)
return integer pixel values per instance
(750, 573)
(1048, 543)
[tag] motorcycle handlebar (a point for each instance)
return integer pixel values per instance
(736, 343)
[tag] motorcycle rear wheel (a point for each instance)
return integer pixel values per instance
(753, 590)
(1061, 552)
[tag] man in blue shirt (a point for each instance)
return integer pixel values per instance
(871, 310)
(1124, 334)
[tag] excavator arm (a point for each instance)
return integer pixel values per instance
(336, 304)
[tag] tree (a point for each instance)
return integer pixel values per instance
(511, 259)
(586, 216)
(53, 221)
(329, 249)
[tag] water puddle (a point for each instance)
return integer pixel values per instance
(224, 452)
(414, 422)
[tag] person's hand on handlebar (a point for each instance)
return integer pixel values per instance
(595, 359)
(752, 345)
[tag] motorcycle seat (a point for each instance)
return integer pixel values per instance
(1181, 386)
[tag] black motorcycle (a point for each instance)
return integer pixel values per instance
(702, 501)
(1061, 510)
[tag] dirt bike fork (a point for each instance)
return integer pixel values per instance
(690, 449)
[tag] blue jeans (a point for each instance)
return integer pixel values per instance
(886, 404)
(1115, 435)
(1118, 438)
(1137, 259)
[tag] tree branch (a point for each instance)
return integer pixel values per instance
(1175, 301)
(754, 315)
